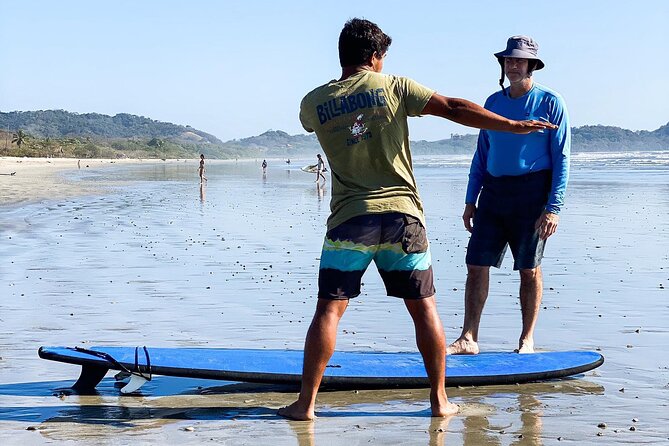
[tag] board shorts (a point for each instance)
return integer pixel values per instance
(396, 242)
(507, 211)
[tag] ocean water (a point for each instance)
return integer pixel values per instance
(156, 259)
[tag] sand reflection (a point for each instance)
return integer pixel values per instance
(203, 193)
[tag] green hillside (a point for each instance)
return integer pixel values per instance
(60, 124)
(59, 133)
(601, 138)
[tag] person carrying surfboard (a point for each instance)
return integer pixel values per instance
(376, 212)
(519, 182)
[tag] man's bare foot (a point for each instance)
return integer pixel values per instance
(463, 347)
(445, 410)
(525, 346)
(296, 412)
(440, 405)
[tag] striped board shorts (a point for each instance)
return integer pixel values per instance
(396, 242)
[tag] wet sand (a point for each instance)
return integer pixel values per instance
(30, 179)
(140, 254)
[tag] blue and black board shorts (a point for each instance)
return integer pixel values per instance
(507, 211)
(396, 242)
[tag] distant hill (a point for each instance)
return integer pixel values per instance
(601, 138)
(61, 133)
(275, 143)
(456, 144)
(591, 138)
(61, 124)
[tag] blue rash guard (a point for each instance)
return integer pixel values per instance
(503, 153)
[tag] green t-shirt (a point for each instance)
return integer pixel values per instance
(361, 124)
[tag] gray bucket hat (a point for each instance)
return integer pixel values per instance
(522, 47)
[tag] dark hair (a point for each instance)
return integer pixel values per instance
(531, 66)
(359, 40)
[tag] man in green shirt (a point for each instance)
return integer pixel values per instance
(376, 212)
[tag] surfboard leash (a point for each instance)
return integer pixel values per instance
(109, 358)
(148, 363)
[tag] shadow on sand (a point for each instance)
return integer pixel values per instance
(169, 398)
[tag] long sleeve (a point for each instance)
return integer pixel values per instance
(560, 147)
(478, 168)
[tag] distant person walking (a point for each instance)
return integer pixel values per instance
(264, 167)
(520, 183)
(320, 168)
(377, 214)
(201, 169)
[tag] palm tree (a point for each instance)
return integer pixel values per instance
(19, 138)
(156, 142)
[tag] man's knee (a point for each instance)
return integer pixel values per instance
(476, 271)
(530, 274)
(421, 309)
(330, 308)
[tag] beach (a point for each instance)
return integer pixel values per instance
(134, 253)
(32, 179)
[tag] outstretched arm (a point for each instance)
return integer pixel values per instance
(470, 114)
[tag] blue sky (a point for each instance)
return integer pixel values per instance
(238, 68)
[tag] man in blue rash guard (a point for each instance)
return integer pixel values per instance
(520, 182)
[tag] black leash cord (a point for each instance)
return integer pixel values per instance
(109, 358)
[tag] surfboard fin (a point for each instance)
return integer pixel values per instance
(134, 384)
(121, 376)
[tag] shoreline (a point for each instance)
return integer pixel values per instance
(32, 179)
(27, 180)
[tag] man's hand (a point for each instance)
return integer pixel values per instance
(547, 224)
(468, 216)
(524, 127)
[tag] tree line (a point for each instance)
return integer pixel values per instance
(58, 133)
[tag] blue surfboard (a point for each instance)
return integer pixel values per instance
(353, 369)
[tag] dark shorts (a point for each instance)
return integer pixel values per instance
(396, 242)
(508, 209)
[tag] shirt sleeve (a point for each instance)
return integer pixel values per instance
(560, 147)
(478, 168)
(416, 96)
(304, 116)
